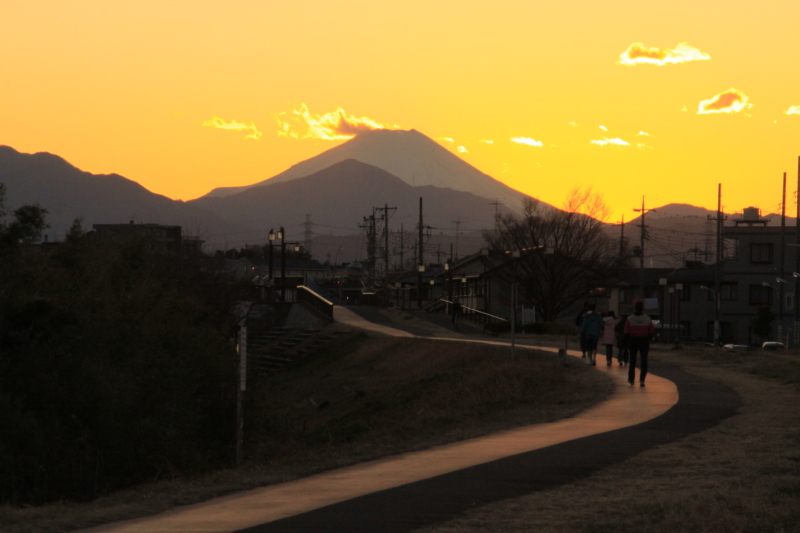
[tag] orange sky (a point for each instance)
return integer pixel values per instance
(126, 87)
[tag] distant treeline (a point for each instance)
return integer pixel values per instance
(116, 365)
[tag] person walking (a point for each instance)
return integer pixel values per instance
(639, 329)
(591, 329)
(622, 340)
(456, 311)
(578, 321)
(609, 335)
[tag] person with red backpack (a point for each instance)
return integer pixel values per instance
(639, 330)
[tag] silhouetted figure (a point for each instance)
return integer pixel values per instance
(578, 321)
(622, 340)
(640, 330)
(609, 335)
(591, 329)
(456, 311)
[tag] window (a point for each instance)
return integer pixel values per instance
(729, 292)
(760, 295)
(685, 293)
(761, 252)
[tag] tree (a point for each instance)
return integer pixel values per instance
(564, 253)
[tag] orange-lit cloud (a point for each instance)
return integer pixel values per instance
(217, 122)
(603, 128)
(615, 141)
(486, 141)
(643, 134)
(526, 140)
(639, 54)
(730, 101)
(447, 139)
(334, 126)
(793, 110)
(462, 150)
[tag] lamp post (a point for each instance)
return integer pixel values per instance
(716, 316)
(420, 270)
(662, 282)
(271, 279)
(796, 314)
(794, 305)
(514, 255)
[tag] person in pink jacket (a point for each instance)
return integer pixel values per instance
(609, 335)
(639, 330)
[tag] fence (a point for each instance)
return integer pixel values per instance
(315, 302)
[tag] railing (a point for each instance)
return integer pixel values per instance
(476, 315)
(315, 302)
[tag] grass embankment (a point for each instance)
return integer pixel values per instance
(365, 398)
(742, 475)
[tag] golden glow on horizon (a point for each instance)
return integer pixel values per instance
(639, 54)
(334, 126)
(217, 122)
(730, 101)
(100, 83)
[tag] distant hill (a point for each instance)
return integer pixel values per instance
(340, 196)
(409, 155)
(69, 193)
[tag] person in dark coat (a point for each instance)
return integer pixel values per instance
(591, 328)
(456, 311)
(640, 330)
(622, 341)
(578, 321)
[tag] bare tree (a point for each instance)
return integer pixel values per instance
(563, 254)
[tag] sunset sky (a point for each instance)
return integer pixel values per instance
(185, 96)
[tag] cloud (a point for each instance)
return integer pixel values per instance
(643, 134)
(486, 141)
(462, 150)
(793, 110)
(639, 54)
(526, 140)
(730, 101)
(603, 128)
(217, 122)
(334, 126)
(573, 124)
(615, 141)
(448, 139)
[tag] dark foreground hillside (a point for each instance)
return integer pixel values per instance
(363, 398)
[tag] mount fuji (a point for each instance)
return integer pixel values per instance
(409, 155)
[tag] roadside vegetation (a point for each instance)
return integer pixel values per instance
(363, 398)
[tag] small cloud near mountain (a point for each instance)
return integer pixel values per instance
(217, 122)
(334, 126)
(614, 142)
(793, 110)
(730, 101)
(526, 140)
(639, 54)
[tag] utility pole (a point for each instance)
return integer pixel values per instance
(369, 225)
(781, 303)
(402, 235)
(308, 234)
(621, 237)
(796, 328)
(457, 223)
(385, 218)
(496, 205)
(643, 211)
(421, 260)
(718, 267)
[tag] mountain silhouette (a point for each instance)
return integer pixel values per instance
(340, 196)
(69, 193)
(407, 154)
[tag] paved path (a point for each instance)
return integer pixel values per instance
(402, 493)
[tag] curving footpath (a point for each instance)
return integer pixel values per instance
(405, 492)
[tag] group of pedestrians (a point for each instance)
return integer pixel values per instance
(631, 334)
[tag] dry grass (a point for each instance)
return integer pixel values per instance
(368, 397)
(742, 475)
